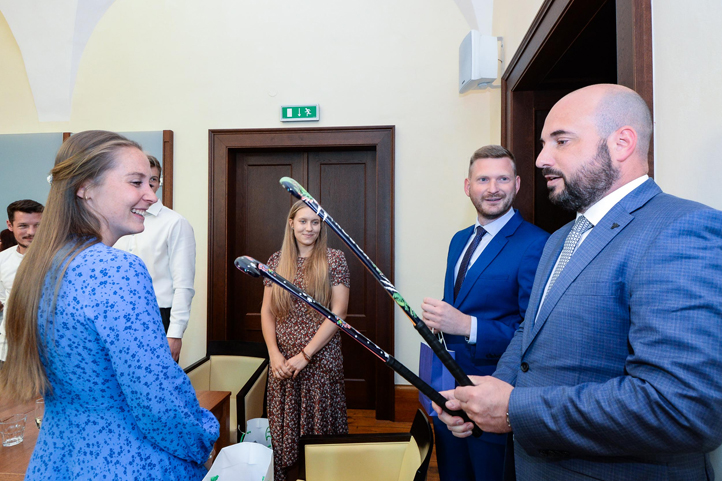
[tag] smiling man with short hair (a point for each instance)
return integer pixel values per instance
(489, 275)
(23, 221)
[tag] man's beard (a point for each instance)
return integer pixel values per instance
(500, 211)
(589, 184)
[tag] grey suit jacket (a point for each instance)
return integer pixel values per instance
(620, 377)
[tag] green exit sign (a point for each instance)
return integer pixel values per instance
(299, 113)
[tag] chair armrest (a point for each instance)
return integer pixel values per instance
(354, 438)
(196, 364)
(399, 440)
(250, 400)
(199, 374)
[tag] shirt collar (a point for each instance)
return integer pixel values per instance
(155, 208)
(597, 212)
(493, 227)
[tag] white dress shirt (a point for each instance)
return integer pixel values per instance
(596, 213)
(492, 229)
(9, 262)
(167, 246)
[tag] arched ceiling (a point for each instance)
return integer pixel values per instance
(478, 14)
(52, 36)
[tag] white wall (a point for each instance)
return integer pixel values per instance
(687, 104)
(191, 66)
(688, 99)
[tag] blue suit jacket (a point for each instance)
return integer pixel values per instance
(620, 377)
(495, 290)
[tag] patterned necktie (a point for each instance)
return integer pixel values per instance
(580, 227)
(467, 257)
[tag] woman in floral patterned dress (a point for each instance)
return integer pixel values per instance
(306, 390)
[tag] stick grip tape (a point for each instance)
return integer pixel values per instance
(444, 356)
(432, 394)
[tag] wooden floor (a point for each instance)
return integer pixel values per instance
(364, 421)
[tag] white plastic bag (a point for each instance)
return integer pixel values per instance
(258, 432)
(242, 462)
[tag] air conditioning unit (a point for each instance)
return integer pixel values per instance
(478, 61)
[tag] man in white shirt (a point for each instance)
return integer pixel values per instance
(167, 246)
(23, 220)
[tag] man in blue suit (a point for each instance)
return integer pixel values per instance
(489, 275)
(615, 374)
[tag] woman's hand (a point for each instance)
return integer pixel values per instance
(279, 367)
(297, 363)
(211, 458)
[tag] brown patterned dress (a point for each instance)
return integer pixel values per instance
(314, 402)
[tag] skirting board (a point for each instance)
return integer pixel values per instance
(406, 401)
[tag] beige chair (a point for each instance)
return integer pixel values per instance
(377, 457)
(239, 367)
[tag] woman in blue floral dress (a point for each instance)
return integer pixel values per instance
(85, 331)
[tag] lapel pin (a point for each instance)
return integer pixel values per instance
(615, 225)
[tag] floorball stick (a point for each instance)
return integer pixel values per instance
(254, 268)
(298, 191)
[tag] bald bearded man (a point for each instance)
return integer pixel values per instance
(615, 373)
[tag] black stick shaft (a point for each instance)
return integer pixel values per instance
(390, 361)
(430, 392)
(298, 191)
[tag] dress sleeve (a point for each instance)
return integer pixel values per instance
(338, 269)
(272, 263)
(162, 401)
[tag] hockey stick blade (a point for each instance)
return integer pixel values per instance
(294, 188)
(249, 265)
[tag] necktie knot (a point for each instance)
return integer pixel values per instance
(581, 225)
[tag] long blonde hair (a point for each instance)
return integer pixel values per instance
(67, 228)
(315, 268)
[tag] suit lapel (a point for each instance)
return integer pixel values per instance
(544, 270)
(603, 233)
(487, 256)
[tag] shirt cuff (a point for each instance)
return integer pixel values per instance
(472, 334)
(180, 312)
(176, 331)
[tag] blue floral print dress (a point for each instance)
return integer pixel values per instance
(120, 408)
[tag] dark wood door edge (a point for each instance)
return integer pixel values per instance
(555, 26)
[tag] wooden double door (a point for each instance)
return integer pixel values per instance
(350, 172)
(342, 183)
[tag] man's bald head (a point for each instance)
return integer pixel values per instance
(620, 106)
(613, 107)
